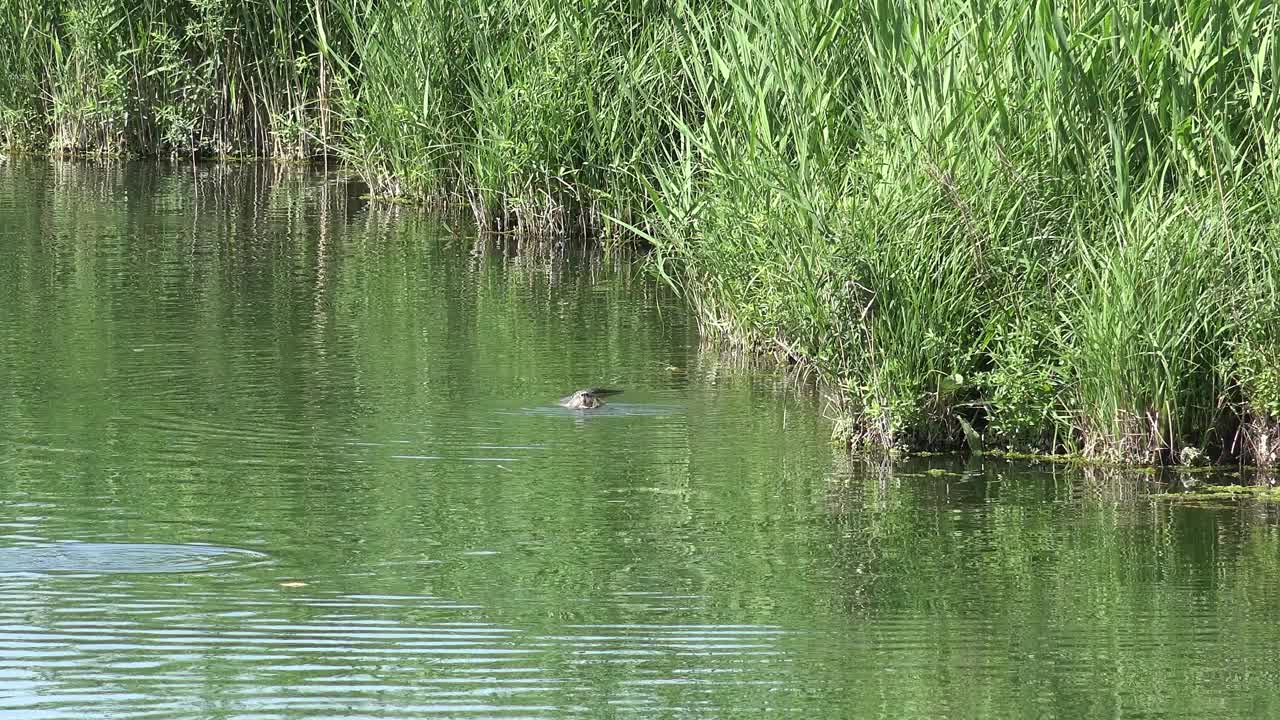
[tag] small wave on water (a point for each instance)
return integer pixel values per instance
(610, 410)
(141, 558)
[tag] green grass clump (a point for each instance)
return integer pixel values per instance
(217, 77)
(1035, 219)
(539, 114)
(1145, 323)
(1253, 346)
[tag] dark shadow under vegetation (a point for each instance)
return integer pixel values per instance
(1039, 228)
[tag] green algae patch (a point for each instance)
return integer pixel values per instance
(1074, 460)
(1211, 493)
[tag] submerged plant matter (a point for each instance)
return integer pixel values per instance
(1052, 225)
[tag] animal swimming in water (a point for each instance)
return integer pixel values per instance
(588, 399)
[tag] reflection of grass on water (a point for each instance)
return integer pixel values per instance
(1055, 226)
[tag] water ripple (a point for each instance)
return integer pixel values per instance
(94, 557)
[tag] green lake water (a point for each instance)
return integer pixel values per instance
(268, 451)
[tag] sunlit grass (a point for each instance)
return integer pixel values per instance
(1029, 218)
(216, 77)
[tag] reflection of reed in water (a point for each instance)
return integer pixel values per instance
(1120, 486)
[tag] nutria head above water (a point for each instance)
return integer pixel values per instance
(587, 399)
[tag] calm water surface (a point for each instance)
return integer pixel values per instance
(269, 452)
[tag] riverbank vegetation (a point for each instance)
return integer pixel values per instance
(1053, 224)
(213, 77)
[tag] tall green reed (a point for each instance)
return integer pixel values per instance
(26, 54)
(1146, 325)
(215, 77)
(994, 223)
(541, 115)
